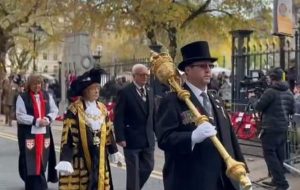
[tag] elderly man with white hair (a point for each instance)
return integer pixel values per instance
(134, 127)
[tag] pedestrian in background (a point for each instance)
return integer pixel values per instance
(10, 90)
(134, 127)
(276, 104)
(35, 111)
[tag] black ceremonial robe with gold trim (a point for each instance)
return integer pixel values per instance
(90, 162)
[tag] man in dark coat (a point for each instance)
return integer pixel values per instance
(35, 110)
(191, 160)
(276, 104)
(134, 127)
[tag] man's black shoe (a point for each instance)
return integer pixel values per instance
(269, 183)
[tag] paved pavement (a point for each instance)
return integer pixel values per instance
(9, 177)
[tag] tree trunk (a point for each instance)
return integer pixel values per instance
(151, 36)
(172, 34)
(4, 40)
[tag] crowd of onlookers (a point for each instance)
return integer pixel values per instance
(220, 83)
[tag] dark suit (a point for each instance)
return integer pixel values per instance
(134, 124)
(202, 167)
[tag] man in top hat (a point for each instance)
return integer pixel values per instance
(87, 139)
(191, 160)
(276, 104)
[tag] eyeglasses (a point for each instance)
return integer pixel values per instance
(142, 75)
(203, 66)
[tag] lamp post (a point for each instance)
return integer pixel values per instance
(97, 56)
(37, 31)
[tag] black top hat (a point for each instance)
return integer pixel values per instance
(196, 51)
(83, 81)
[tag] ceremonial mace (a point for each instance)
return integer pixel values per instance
(163, 68)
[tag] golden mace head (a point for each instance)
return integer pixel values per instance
(163, 67)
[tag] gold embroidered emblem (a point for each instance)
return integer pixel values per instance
(187, 117)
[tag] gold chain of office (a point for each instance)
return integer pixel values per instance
(87, 116)
(93, 117)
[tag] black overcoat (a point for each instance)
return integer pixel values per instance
(133, 121)
(201, 168)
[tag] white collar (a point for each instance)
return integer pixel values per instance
(90, 103)
(197, 91)
(138, 86)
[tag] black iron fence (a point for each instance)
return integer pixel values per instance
(120, 68)
(252, 59)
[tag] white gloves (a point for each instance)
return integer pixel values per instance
(64, 167)
(202, 132)
(116, 158)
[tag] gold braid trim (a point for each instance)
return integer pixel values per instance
(83, 135)
(102, 108)
(67, 126)
(109, 133)
(102, 165)
(102, 159)
(72, 107)
(109, 124)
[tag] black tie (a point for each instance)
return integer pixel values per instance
(206, 103)
(143, 94)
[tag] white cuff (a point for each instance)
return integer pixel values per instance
(64, 167)
(116, 158)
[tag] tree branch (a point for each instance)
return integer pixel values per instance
(3, 10)
(196, 13)
(218, 10)
(25, 18)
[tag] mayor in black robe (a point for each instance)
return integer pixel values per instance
(87, 139)
(198, 166)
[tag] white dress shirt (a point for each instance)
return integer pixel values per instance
(197, 91)
(26, 119)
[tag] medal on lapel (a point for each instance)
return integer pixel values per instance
(96, 139)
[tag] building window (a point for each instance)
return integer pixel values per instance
(45, 56)
(55, 68)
